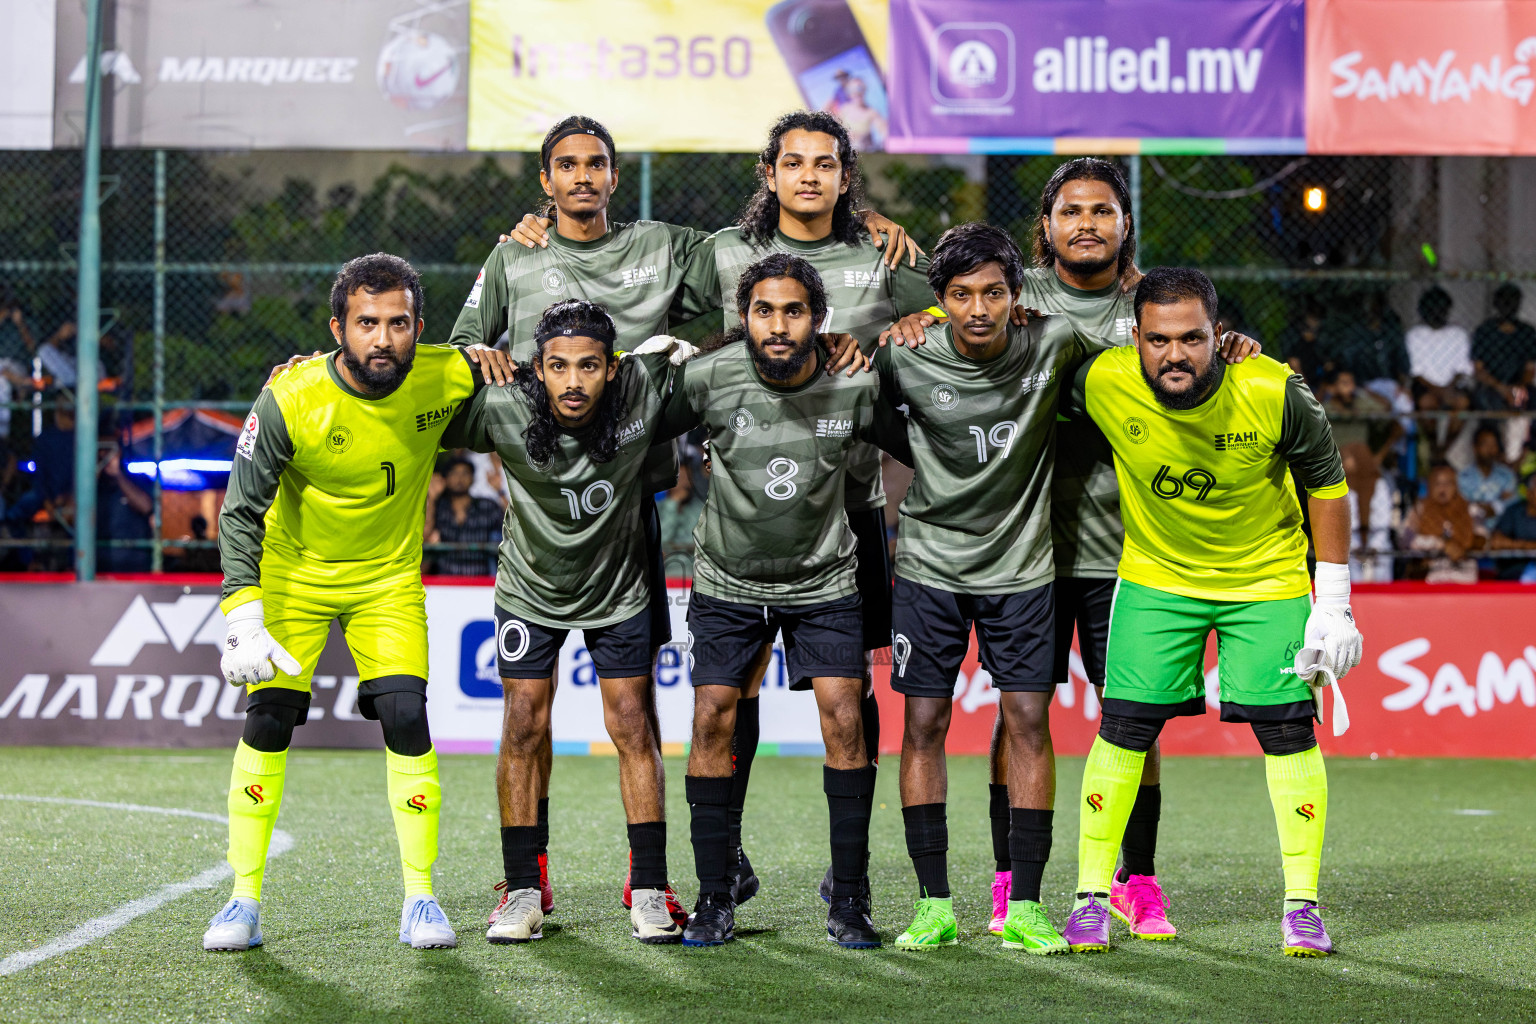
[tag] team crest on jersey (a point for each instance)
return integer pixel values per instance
(945, 396)
(636, 276)
(1135, 429)
(1036, 381)
(553, 282)
(860, 278)
(338, 440)
(631, 431)
(247, 442)
(834, 428)
(741, 421)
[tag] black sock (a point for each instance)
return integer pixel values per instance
(708, 800)
(743, 750)
(1140, 843)
(543, 825)
(520, 856)
(1029, 847)
(928, 846)
(869, 711)
(648, 855)
(850, 801)
(997, 813)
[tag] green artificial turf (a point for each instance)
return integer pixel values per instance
(1433, 910)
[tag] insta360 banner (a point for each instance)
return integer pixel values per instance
(674, 74)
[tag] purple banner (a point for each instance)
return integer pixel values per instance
(1004, 70)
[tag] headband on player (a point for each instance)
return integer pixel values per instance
(550, 148)
(573, 332)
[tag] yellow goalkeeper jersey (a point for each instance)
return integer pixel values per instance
(329, 484)
(1207, 494)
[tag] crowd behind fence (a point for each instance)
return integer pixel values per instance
(1394, 284)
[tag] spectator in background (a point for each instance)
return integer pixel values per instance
(1306, 345)
(1439, 355)
(454, 516)
(1487, 484)
(679, 512)
(200, 559)
(1516, 529)
(1364, 445)
(16, 341)
(1504, 353)
(1440, 525)
(1372, 348)
(58, 355)
(123, 510)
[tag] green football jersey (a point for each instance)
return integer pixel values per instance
(983, 434)
(1085, 499)
(774, 530)
(573, 545)
(645, 273)
(864, 297)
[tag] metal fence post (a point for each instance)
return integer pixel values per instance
(645, 186)
(1133, 172)
(157, 553)
(88, 307)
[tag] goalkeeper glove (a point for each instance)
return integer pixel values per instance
(1331, 643)
(678, 351)
(250, 652)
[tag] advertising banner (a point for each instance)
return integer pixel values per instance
(281, 74)
(999, 76)
(26, 75)
(1446, 674)
(1421, 76)
(674, 75)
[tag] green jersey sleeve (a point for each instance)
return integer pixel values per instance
(469, 427)
(910, 289)
(1306, 442)
(679, 415)
(693, 253)
(484, 317)
(263, 449)
(1074, 403)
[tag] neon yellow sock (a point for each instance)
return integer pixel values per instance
(255, 793)
(1110, 782)
(1298, 787)
(415, 798)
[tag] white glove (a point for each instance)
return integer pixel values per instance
(678, 351)
(1331, 643)
(250, 651)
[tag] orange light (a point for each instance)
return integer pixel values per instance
(1315, 199)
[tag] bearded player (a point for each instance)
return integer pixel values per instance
(323, 521)
(1200, 448)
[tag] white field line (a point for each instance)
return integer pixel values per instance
(100, 927)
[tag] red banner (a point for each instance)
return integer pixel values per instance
(1421, 76)
(1448, 672)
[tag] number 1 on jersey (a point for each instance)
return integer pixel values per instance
(389, 478)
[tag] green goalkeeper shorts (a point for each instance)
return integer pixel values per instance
(1156, 656)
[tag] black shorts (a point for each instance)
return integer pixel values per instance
(660, 607)
(527, 650)
(820, 640)
(1015, 633)
(874, 575)
(1083, 603)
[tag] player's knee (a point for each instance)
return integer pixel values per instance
(269, 727)
(403, 716)
(842, 729)
(1130, 733)
(1279, 739)
(1029, 719)
(628, 723)
(926, 722)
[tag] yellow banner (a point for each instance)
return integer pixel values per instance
(674, 75)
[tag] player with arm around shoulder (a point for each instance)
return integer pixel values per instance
(1201, 447)
(322, 521)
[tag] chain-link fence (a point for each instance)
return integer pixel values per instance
(216, 266)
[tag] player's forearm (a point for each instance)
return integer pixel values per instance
(1330, 528)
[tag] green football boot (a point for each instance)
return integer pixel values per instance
(934, 925)
(1027, 928)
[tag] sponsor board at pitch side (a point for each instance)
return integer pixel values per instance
(125, 664)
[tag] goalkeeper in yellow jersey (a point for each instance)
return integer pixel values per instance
(323, 521)
(1208, 457)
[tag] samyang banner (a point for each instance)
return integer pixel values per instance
(1421, 76)
(1097, 75)
(280, 74)
(674, 75)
